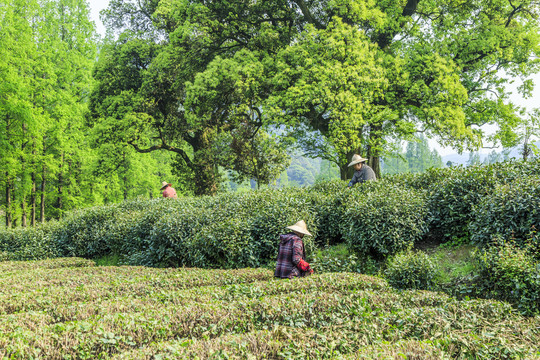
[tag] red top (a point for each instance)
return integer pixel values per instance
(169, 192)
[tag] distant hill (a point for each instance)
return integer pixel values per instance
(463, 158)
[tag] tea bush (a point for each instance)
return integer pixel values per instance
(508, 273)
(375, 218)
(512, 211)
(452, 200)
(422, 180)
(71, 309)
(85, 232)
(411, 270)
(32, 243)
(231, 230)
(329, 201)
(269, 221)
(385, 219)
(170, 241)
(339, 259)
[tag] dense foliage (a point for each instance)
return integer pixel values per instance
(198, 92)
(511, 211)
(192, 77)
(508, 273)
(374, 220)
(240, 229)
(384, 219)
(68, 308)
(411, 270)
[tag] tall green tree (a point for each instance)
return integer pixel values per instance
(17, 111)
(528, 132)
(49, 49)
(360, 74)
(416, 158)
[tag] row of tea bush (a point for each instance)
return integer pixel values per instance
(235, 230)
(70, 309)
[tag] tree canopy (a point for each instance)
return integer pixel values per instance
(342, 76)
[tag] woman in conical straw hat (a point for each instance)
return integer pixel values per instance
(362, 171)
(291, 260)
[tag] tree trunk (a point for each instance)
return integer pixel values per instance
(8, 202)
(23, 167)
(33, 200)
(346, 172)
(9, 216)
(13, 202)
(60, 183)
(42, 205)
(23, 215)
(206, 181)
(375, 163)
(373, 155)
(33, 192)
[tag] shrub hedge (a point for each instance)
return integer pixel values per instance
(383, 219)
(241, 229)
(411, 270)
(511, 212)
(28, 243)
(507, 272)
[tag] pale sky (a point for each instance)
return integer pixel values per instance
(95, 7)
(534, 102)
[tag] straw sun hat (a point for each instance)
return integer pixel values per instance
(356, 159)
(300, 227)
(164, 184)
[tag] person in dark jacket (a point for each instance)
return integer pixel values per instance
(362, 171)
(291, 260)
(168, 190)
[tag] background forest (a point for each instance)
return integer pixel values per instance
(218, 96)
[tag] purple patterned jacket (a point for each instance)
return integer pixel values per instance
(291, 257)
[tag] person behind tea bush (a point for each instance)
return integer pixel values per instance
(291, 259)
(168, 190)
(362, 171)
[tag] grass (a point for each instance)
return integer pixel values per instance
(339, 251)
(108, 260)
(453, 262)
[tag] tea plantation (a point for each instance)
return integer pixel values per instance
(70, 309)
(197, 279)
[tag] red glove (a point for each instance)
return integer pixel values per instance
(304, 266)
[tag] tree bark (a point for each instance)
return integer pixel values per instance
(8, 201)
(375, 163)
(59, 203)
(346, 172)
(33, 191)
(42, 204)
(23, 166)
(23, 215)
(13, 201)
(373, 154)
(33, 200)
